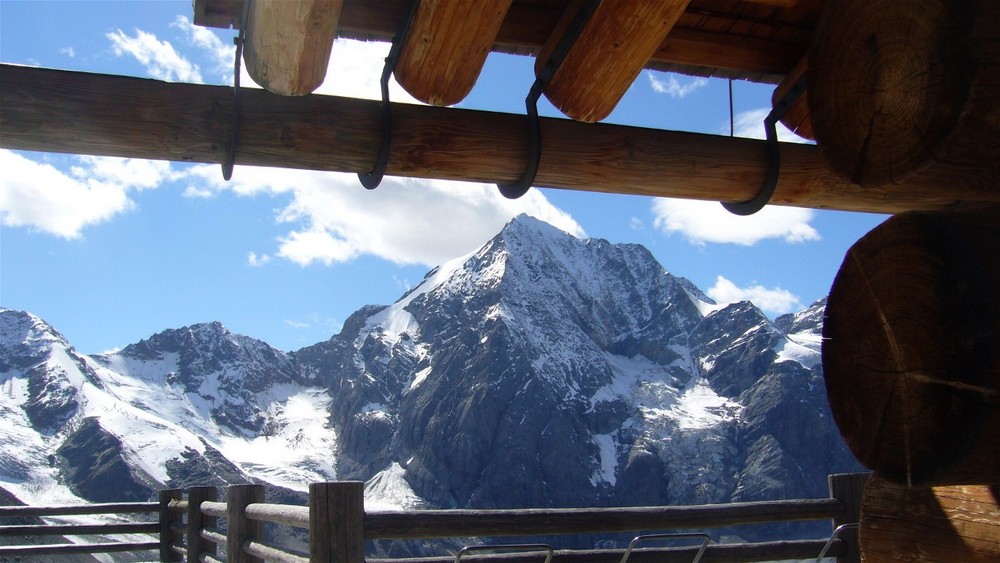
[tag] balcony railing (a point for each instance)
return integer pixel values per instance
(190, 527)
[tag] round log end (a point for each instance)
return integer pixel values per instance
(891, 81)
(911, 350)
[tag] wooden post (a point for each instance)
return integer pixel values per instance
(899, 89)
(197, 521)
(947, 523)
(848, 488)
(336, 522)
(167, 520)
(911, 348)
(80, 113)
(240, 528)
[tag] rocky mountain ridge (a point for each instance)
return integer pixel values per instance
(541, 370)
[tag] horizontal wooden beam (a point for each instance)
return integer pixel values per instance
(72, 112)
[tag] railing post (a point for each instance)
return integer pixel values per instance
(240, 528)
(849, 488)
(167, 520)
(336, 522)
(197, 521)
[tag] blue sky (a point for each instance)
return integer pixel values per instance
(111, 251)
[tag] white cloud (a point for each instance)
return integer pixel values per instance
(673, 87)
(68, 51)
(257, 260)
(707, 221)
(159, 58)
(776, 301)
(39, 196)
(221, 53)
(406, 221)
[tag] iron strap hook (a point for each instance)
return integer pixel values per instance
(371, 180)
(558, 55)
(230, 159)
(779, 110)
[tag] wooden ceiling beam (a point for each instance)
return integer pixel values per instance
(441, 68)
(80, 113)
(607, 56)
(288, 43)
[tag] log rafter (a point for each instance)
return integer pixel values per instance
(73, 112)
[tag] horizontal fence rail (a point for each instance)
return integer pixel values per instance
(204, 529)
(63, 530)
(536, 522)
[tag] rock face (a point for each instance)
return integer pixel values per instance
(543, 370)
(539, 371)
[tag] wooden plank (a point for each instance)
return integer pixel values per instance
(62, 111)
(288, 43)
(446, 48)
(947, 523)
(608, 54)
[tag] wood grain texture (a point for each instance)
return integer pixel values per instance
(606, 57)
(81, 113)
(446, 48)
(946, 523)
(911, 351)
(288, 43)
(241, 529)
(197, 521)
(336, 520)
(901, 88)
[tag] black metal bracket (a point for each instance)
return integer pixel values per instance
(779, 110)
(230, 159)
(371, 180)
(542, 78)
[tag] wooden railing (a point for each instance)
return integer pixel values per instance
(99, 530)
(339, 527)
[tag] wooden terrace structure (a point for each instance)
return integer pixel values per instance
(902, 98)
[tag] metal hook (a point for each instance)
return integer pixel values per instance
(558, 55)
(371, 180)
(829, 542)
(526, 547)
(230, 159)
(705, 540)
(758, 202)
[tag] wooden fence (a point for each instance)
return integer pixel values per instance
(338, 527)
